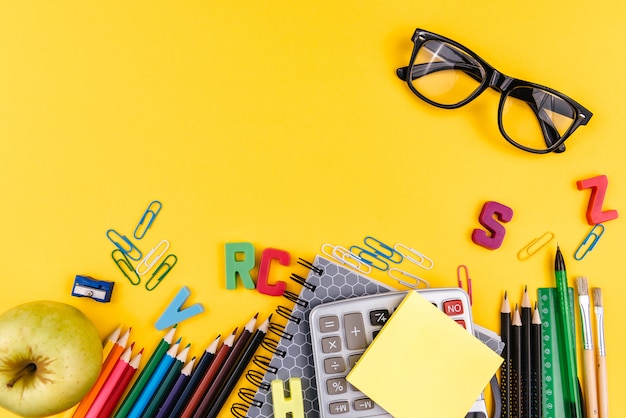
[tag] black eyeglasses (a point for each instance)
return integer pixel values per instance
(532, 117)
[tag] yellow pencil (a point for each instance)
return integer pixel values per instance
(115, 353)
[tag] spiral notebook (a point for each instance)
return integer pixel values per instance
(288, 351)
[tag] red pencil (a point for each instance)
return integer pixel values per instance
(109, 384)
(208, 377)
(120, 388)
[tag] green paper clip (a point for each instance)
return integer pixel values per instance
(157, 275)
(126, 267)
(124, 244)
(583, 246)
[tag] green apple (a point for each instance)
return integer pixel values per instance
(50, 356)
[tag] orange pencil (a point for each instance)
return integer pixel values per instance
(110, 383)
(108, 365)
(208, 377)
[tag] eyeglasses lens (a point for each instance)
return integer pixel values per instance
(445, 74)
(536, 118)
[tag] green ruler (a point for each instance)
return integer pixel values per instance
(553, 354)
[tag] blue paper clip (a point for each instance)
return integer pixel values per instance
(147, 218)
(152, 257)
(384, 250)
(98, 290)
(167, 265)
(129, 248)
(126, 267)
(584, 247)
(370, 258)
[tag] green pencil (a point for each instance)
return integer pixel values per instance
(166, 385)
(572, 396)
(145, 374)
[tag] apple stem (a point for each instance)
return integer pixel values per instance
(28, 369)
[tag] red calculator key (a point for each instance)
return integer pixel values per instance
(461, 323)
(453, 307)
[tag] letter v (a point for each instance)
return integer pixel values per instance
(173, 313)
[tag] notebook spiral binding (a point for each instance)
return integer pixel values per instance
(256, 375)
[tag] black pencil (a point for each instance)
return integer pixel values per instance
(527, 313)
(239, 368)
(536, 368)
(505, 368)
(516, 366)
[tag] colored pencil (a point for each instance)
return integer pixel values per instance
(603, 387)
(145, 374)
(177, 389)
(239, 368)
(526, 355)
(110, 383)
(589, 361)
(201, 367)
(209, 376)
(505, 368)
(118, 392)
(107, 366)
(568, 337)
(516, 364)
(226, 368)
(536, 365)
(153, 383)
(166, 385)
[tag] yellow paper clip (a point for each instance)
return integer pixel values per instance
(467, 278)
(124, 244)
(414, 256)
(585, 247)
(345, 257)
(152, 257)
(400, 278)
(167, 265)
(534, 246)
(121, 261)
(147, 218)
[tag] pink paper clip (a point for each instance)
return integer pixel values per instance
(468, 280)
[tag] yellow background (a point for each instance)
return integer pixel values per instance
(282, 123)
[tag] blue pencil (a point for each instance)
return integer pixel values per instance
(176, 391)
(154, 381)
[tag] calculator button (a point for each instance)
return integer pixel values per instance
(453, 307)
(334, 365)
(353, 359)
(331, 344)
(329, 323)
(340, 407)
(363, 404)
(337, 386)
(461, 323)
(355, 331)
(379, 317)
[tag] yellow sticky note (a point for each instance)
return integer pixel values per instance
(423, 364)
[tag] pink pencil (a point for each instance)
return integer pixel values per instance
(116, 394)
(109, 384)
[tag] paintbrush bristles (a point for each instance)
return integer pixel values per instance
(583, 286)
(597, 296)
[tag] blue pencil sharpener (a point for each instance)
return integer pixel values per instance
(88, 287)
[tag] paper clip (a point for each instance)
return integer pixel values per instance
(129, 249)
(467, 278)
(421, 260)
(369, 258)
(585, 249)
(151, 258)
(387, 252)
(147, 218)
(418, 280)
(126, 267)
(534, 246)
(166, 265)
(346, 258)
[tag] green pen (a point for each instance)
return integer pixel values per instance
(145, 374)
(567, 332)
